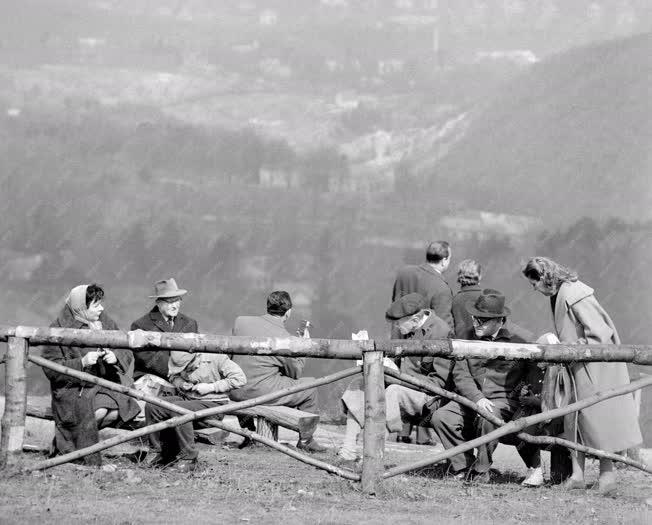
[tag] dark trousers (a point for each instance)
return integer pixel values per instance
(178, 442)
(456, 424)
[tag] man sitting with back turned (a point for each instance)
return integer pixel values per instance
(269, 373)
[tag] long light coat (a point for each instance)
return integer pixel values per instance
(610, 425)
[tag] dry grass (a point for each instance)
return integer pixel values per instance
(261, 486)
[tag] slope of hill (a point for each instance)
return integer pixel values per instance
(570, 137)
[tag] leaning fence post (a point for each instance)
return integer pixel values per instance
(13, 419)
(373, 464)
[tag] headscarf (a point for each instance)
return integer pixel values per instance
(76, 301)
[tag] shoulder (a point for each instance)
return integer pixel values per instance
(244, 321)
(573, 292)
(142, 321)
(407, 271)
(189, 324)
(107, 322)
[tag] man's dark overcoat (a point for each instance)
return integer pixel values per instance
(427, 281)
(156, 362)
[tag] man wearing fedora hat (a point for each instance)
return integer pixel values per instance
(495, 385)
(163, 317)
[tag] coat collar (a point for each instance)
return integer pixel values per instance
(157, 318)
(471, 288)
(429, 269)
(273, 319)
(569, 293)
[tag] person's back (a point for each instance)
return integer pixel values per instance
(269, 373)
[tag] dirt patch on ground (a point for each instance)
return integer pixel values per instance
(258, 485)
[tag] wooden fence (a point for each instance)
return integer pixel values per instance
(371, 353)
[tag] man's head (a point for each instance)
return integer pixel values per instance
(488, 312)
(168, 297)
(408, 311)
(439, 254)
(279, 304)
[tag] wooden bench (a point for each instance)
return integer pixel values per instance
(268, 419)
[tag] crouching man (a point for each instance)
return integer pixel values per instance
(495, 385)
(403, 404)
(203, 381)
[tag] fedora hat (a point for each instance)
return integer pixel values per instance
(167, 288)
(490, 304)
(409, 304)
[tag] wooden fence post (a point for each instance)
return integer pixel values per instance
(373, 460)
(13, 420)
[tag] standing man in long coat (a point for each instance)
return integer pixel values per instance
(426, 279)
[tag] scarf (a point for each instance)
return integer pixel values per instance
(76, 301)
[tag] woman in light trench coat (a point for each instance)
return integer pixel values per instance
(611, 425)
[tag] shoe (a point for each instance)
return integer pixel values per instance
(248, 443)
(607, 483)
(404, 439)
(311, 445)
(573, 484)
(185, 466)
(153, 459)
(479, 477)
(347, 455)
(460, 475)
(534, 478)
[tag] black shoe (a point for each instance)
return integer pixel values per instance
(311, 445)
(248, 443)
(153, 459)
(185, 466)
(404, 439)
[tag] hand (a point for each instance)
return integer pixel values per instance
(90, 358)
(109, 357)
(530, 400)
(203, 388)
(487, 405)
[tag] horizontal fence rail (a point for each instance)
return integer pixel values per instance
(330, 348)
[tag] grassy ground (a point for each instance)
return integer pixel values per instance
(261, 486)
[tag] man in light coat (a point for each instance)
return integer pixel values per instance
(268, 373)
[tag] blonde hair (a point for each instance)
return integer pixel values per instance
(469, 272)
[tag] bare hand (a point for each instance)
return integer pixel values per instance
(90, 358)
(487, 405)
(109, 357)
(203, 388)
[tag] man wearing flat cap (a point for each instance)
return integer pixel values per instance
(495, 385)
(163, 317)
(403, 404)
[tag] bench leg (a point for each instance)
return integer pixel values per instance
(267, 429)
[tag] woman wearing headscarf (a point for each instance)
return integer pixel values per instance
(81, 408)
(611, 425)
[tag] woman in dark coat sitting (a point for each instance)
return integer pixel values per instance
(81, 408)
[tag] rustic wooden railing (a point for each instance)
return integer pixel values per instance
(371, 352)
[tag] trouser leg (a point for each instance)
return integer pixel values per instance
(449, 423)
(177, 442)
(504, 410)
(402, 404)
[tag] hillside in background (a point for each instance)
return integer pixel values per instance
(570, 137)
